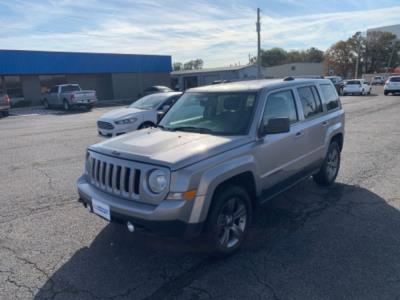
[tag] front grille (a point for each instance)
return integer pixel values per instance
(105, 125)
(113, 178)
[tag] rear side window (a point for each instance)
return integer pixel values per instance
(310, 101)
(330, 97)
(395, 79)
(280, 105)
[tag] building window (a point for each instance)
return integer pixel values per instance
(47, 81)
(13, 86)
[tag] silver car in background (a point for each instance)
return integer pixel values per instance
(69, 96)
(143, 113)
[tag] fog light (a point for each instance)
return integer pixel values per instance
(130, 226)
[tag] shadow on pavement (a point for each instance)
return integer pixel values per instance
(339, 242)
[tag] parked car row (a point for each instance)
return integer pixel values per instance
(5, 104)
(392, 85)
(219, 152)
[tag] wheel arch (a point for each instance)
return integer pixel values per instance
(338, 138)
(240, 171)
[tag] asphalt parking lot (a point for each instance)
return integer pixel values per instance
(341, 242)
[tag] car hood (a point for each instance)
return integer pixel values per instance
(120, 113)
(173, 149)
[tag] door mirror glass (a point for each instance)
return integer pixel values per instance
(274, 126)
(165, 108)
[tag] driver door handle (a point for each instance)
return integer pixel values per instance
(325, 123)
(298, 134)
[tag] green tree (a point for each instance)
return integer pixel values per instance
(273, 57)
(379, 51)
(340, 58)
(177, 66)
(193, 64)
(313, 55)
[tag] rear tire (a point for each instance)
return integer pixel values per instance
(330, 168)
(66, 104)
(228, 220)
(46, 104)
(385, 93)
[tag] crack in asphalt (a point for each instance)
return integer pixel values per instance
(174, 286)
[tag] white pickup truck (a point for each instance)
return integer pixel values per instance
(68, 96)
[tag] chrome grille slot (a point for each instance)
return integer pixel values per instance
(105, 125)
(121, 178)
(114, 178)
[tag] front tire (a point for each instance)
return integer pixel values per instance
(330, 168)
(67, 106)
(228, 220)
(46, 104)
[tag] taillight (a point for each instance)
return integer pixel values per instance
(7, 99)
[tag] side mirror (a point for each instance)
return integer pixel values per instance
(160, 115)
(165, 108)
(274, 126)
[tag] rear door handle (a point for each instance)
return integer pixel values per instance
(325, 123)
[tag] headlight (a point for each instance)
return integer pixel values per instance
(126, 121)
(157, 181)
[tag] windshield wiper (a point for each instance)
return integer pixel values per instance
(192, 129)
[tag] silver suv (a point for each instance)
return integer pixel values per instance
(220, 152)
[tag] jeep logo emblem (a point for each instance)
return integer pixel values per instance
(116, 153)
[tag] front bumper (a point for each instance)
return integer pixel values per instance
(168, 218)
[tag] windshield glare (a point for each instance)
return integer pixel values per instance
(216, 113)
(149, 102)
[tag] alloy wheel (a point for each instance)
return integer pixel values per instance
(232, 222)
(332, 163)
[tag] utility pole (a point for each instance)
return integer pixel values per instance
(394, 43)
(258, 27)
(358, 34)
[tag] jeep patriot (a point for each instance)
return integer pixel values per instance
(219, 153)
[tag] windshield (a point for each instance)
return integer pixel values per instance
(215, 113)
(149, 102)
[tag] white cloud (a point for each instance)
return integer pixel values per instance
(184, 29)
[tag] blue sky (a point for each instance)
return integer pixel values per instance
(219, 32)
